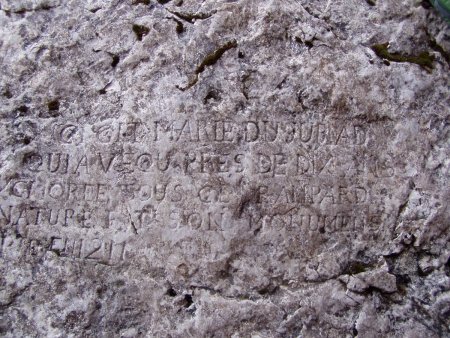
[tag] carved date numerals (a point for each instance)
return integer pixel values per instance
(107, 252)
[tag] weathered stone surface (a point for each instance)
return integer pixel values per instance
(224, 168)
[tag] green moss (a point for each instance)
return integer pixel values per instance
(212, 58)
(424, 59)
(209, 60)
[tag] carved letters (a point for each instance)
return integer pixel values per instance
(307, 177)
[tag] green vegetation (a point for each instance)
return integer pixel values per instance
(210, 60)
(443, 6)
(424, 59)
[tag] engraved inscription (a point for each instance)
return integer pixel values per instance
(163, 179)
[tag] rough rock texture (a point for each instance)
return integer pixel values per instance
(252, 168)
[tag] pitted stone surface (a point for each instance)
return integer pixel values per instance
(224, 169)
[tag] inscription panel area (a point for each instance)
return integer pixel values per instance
(185, 191)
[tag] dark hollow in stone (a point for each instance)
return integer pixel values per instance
(7, 94)
(426, 4)
(309, 44)
(23, 109)
(53, 105)
(212, 95)
(171, 292)
(188, 300)
(140, 31)
(115, 60)
(144, 2)
(180, 27)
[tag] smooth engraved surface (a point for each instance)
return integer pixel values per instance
(224, 168)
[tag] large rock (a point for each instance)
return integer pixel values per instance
(224, 168)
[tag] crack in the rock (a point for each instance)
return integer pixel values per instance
(437, 47)
(244, 80)
(209, 60)
(373, 118)
(26, 10)
(191, 17)
(15, 295)
(281, 84)
(143, 2)
(180, 27)
(404, 204)
(307, 43)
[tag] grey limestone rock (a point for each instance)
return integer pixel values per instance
(228, 168)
